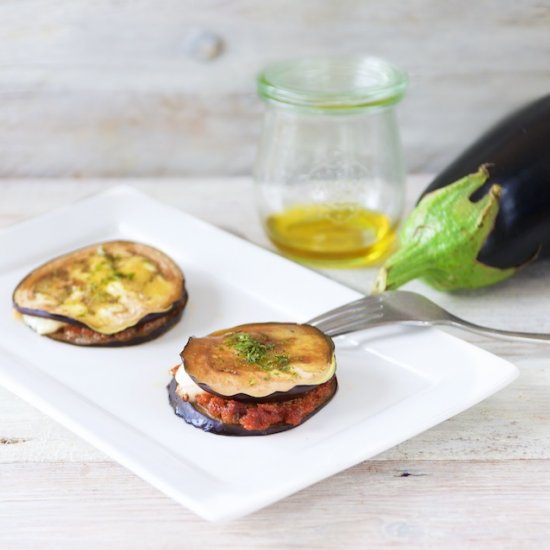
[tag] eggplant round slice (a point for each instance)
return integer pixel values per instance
(200, 417)
(111, 293)
(144, 331)
(260, 361)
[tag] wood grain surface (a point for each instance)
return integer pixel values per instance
(431, 504)
(478, 480)
(166, 87)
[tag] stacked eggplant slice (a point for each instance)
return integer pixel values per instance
(254, 379)
(116, 293)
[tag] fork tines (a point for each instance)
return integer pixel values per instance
(349, 317)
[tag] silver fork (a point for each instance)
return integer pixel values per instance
(402, 307)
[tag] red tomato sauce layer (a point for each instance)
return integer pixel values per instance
(260, 416)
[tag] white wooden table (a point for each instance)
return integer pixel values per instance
(480, 479)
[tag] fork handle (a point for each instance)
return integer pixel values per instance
(498, 333)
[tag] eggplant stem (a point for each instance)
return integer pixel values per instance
(406, 264)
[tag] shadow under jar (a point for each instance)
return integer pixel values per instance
(329, 172)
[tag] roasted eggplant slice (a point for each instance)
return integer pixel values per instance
(260, 361)
(144, 331)
(113, 293)
(229, 417)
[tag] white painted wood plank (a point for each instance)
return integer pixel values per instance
(417, 504)
(144, 45)
(113, 88)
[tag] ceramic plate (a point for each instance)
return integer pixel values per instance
(394, 382)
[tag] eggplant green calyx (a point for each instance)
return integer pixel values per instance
(441, 239)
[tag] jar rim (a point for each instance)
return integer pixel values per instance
(334, 83)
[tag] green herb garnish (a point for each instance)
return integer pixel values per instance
(250, 349)
(259, 353)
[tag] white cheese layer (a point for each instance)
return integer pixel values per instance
(41, 325)
(186, 384)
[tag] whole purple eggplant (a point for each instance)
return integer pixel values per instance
(486, 214)
(517, 151)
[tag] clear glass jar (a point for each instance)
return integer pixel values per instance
(329, 172)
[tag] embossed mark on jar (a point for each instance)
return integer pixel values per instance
(337, 179)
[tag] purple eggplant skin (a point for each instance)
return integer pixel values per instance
(62, 318)
(517, 151)
(172, 316)
(193, 416)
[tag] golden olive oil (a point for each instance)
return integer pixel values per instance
(332, 235)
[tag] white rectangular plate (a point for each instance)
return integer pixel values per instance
(394, 383)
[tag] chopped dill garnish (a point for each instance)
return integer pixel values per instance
(279, 362)
(259, 353)
(282, 361)
(250, 349)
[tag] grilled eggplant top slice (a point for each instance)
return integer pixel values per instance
(107, 287)
(260, 360)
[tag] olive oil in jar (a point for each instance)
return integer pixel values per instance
(332, 235)
(329, 173)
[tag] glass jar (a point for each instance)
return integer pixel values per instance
(329, 173)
